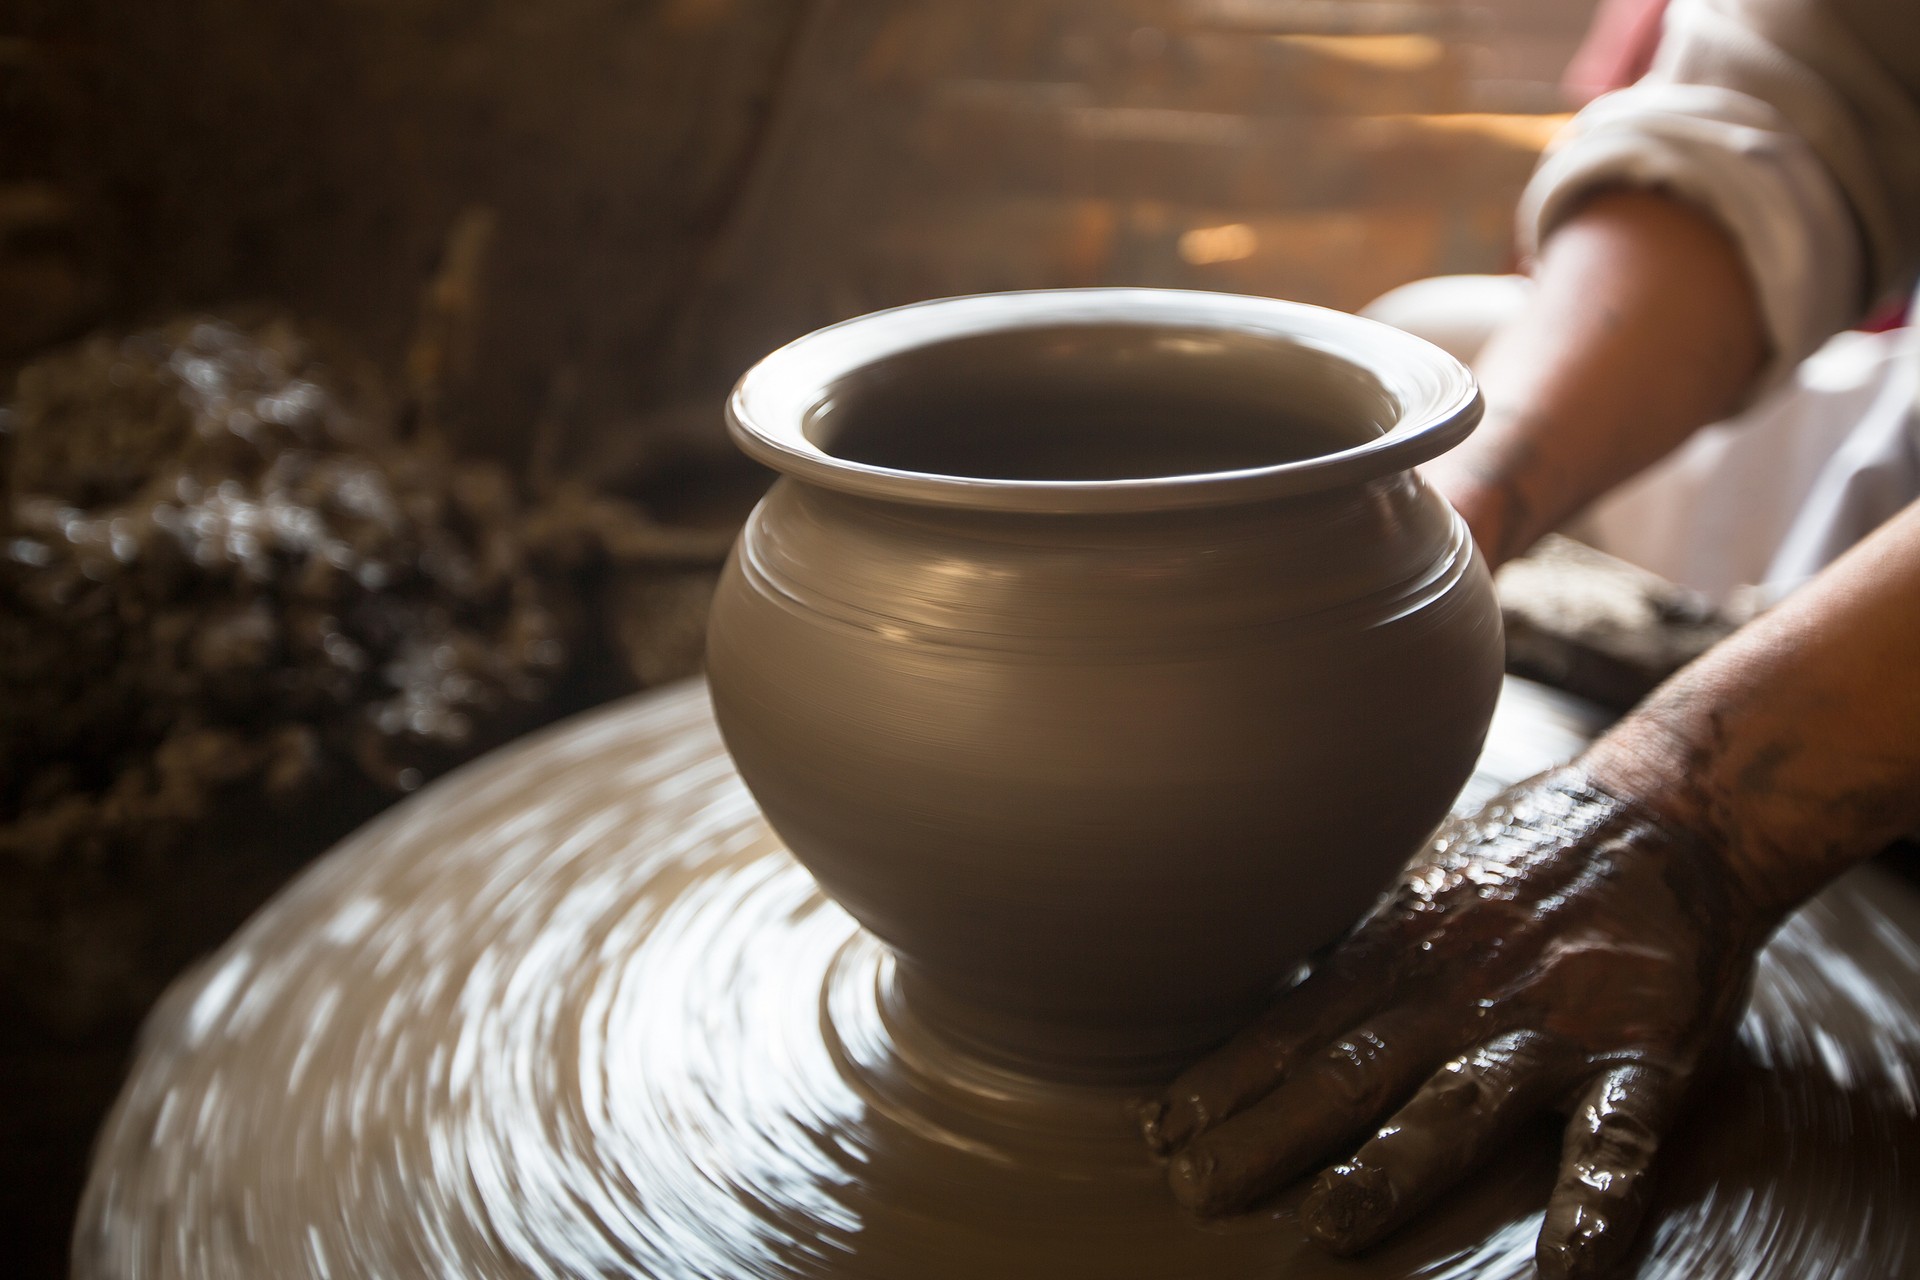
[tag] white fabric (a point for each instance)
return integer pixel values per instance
(1768, 498)
(1455, 313)
(1871, 478)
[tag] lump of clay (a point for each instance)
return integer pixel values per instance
(224, 567)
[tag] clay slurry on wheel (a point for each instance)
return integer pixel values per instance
(570, 1012)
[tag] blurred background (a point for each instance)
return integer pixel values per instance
(363, 364)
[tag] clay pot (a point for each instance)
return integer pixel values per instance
(1099, 650)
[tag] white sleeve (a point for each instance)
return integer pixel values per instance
(1808, 177)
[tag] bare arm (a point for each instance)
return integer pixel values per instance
(1795, 740)
(1582, 944)
(1642, 328)
(1793, 746)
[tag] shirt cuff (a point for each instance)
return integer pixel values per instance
(1733, 156)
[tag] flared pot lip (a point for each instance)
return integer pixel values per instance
(1438, 400)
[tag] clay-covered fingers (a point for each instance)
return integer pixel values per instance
(1338, 995)
(1601, 1195)
(1333, 1096)
(1459, 1116)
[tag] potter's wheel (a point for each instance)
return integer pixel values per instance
(572, 1012)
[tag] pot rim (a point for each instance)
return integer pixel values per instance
(1438, 400)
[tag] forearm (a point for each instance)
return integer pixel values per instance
(1642, 328)
(1795, 745)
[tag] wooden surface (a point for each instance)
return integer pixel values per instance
(679, 185)
(1609, 631)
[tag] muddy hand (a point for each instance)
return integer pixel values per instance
(1561, 949)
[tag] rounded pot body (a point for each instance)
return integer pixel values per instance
(1102, 755)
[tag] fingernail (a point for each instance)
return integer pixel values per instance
(1590, 1249)
(1553, 1262)
(1150, 1114)
(1190, 1175)
(1349, 1207)
(1175, 1123)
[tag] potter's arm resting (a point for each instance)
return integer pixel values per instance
(1584, 942)
(1794, 124)
(1641, 328)
(1782, 138)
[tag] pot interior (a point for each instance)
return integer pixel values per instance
(1100, 402)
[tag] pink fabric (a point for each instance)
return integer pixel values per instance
(1891, 315)
(1617, 50)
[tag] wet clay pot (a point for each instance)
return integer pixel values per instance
(1100, 651)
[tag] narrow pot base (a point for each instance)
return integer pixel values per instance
(573, 1012)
